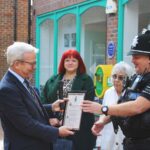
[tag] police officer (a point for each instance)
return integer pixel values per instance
(132, 113)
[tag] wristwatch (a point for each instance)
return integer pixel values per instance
(104, 110)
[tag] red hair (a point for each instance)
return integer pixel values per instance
(68, 54)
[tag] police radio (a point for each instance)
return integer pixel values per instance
(130, 88)
(136, 82)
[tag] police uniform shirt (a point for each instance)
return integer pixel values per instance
(146, 90)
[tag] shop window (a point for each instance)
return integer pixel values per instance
(46, 51)
(137, 17)
(67, 34)
(93, 38)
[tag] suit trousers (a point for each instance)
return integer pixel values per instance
(63, 144)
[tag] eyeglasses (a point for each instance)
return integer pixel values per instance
(30, 63)
(118, 77)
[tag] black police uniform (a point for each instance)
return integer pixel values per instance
(136, 128)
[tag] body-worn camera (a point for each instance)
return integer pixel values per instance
(131, 88)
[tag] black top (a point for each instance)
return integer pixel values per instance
(137, 126)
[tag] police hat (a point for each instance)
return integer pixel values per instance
(141, 44)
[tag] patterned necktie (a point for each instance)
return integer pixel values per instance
(33, 93)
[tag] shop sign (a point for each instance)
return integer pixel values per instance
(111, 7)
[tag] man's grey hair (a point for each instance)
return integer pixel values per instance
(17, 50)
(124, 68)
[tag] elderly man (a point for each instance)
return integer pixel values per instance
(25, 121)
(132, 113)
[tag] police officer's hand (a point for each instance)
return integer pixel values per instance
(91, 107)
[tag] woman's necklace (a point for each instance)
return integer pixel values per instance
(67, 86)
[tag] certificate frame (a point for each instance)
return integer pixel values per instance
(73, 111)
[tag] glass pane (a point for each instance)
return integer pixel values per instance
(93, 38)
(46, 52)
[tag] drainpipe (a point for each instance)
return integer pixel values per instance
(15, 7)
(29, 21)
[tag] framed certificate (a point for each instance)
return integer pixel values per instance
(73, 111)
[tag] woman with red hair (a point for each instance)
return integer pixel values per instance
(72, 72)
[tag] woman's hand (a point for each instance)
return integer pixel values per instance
(97, 127)
(56, 105)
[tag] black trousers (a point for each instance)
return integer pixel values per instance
(136, 144)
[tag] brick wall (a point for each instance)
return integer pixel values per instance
(7, 28)
(43, 6)
(22, 20)
(112, 28)
(6, 32)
